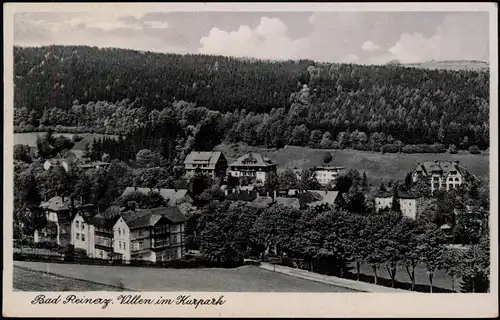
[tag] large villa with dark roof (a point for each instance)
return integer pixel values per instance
(441, 175)
(252, 165)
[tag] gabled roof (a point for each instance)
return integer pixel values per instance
(99, 221)
(57, 204)
(441, 167)
(252, 160)
(149, 217)
(210, 158)
(288, 202)
(384, 194)
(406, 195)
(171, 195)
(327, 195)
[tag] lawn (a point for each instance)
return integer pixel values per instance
(376, 165)
(29, 138)
(441, 280)
(28, 280)
(242, 279)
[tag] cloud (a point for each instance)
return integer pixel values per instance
(351, 58)
(157, 24)
(370, 46)
(269, 40)
(460, 36)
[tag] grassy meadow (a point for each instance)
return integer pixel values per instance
(377, 165)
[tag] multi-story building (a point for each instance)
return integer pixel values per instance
(59, 214)
(327, 174)
(212, 164)
(383, 200)
(441, 175)
(103, 236)
(153, 234)
(121, 241)
(253, 165)
(82, 232)
(411, 205)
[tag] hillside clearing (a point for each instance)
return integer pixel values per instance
(377, 165)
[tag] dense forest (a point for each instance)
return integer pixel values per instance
(169, 101)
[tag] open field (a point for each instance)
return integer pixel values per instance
(242, 279)
(376, 164)
(28, 280)
(29, 138)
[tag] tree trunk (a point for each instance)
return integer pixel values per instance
(392, 274)
(374, 268)
(411, 274)
(431, 275)
(453, 282)
(311, 265)
(358, 267)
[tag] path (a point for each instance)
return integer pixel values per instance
(335, 281)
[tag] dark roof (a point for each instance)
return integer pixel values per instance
(252, 160)
(384, 194)
(406, 195)
(99, 221)
(443, 167)
(149, 217)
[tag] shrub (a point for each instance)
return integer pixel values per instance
(77, 138)
(474, 150)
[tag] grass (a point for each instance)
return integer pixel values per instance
(29, 138)
(242, 279)
(442, 282)
(377, 166)
(29, 280)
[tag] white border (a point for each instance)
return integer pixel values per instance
(261, 304)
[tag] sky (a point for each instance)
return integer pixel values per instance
(351, 37)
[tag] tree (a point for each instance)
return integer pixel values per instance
(148, 158)
(475, 267)
(86, 153)
(276, 226)
(225, 230)
(271, 183)
(396, 206)
(474, 150)
(411, 232)
(287, 179)
(327, 158)
(364, 181)
(450, 262)
(22, 153)
(453, 149)
(308, 180)
(382, 187)
(431, 246)
(408, 181)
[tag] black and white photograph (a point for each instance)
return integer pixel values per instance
(250, 151)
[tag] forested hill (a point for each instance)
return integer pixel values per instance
(271, 102)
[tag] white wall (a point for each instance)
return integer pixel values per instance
(121, 236)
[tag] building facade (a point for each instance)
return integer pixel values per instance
(441, 175)
(121, 241)
(59, 214)
(383, 200)
(252, 165)
(411, 206)
(327, 175)
(156, 234)
(212, 164)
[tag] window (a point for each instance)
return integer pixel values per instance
(83, 226)
(120, 244)
(124, 247)
(457, 179)
(119, 232)
(77, 236)
(174, 240)
(140, 232)
(83, 237)
(100, 251)
(141, 245)
(78, 224)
